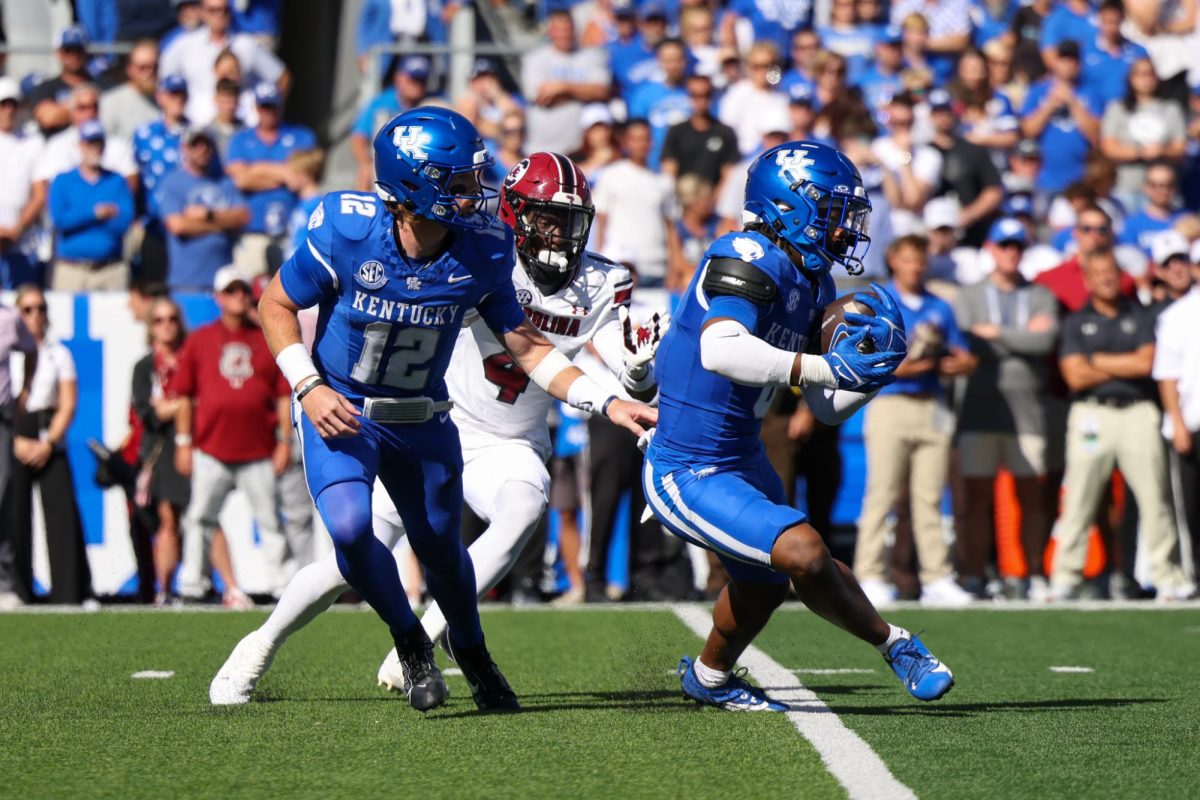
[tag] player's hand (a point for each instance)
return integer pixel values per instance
(861, 372)
(183, 460)
(633, 417)
(331, 414)
(887, 326)
(641, 343)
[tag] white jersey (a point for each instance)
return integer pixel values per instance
(493, 397)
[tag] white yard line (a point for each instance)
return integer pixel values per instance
(841, 671)
(850, 760)
(1072, 669)
(154, 674)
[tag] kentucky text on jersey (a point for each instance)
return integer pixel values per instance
(396, 311)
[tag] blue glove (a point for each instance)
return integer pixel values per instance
(887, 326)
(861, 372)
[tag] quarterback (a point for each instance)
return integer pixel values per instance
(573, 297)
(394, 277)
(745, 328)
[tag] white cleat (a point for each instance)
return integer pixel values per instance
(236, 679)
(391, 675)
(945, 593)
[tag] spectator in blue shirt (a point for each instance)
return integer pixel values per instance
(772, 20)
(663, 102)
(203, 212)
(882, 80)
(908, 430)
(1108, 55)
(631, 52)
(990, 19)
(259, 18)
(156, 151)
(91, 209)
(187, 17)
(846, 36)
(308, 168)
(1159, 213)
(258, 165)
(1070, 20)
(805, 47)
(1064, 118)
(987, 117)
(410, 87)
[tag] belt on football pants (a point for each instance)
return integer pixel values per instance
(403, 410)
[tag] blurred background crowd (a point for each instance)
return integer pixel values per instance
(1035, 175)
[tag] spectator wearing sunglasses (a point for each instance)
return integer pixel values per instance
(49, 100)
(39, 436)
(131, 104)
(1093, 231)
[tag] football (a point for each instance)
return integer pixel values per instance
(834, 327)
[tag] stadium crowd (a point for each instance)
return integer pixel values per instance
(1035, 176)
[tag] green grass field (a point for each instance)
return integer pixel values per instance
(603, 714)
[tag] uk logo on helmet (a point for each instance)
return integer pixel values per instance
(370, 275)
(411, 140)
(793, 164)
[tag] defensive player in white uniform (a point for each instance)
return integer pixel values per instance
(573, 298)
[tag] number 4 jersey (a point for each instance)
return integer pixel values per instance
(493, 397)
(386, 323)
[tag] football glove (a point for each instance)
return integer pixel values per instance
(886, 327)
(861, 372)
(641, 343)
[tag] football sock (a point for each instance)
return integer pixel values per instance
(709, 677)
(310, 591)
(894, 635)
(450, 578)
(515, 512)
(365, 562)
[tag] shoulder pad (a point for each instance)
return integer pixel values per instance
(352, 214)
(616, 276)
(733, 277)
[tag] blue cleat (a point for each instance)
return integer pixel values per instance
(922, 674)
(735, 695)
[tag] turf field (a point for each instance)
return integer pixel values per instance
(603, 715)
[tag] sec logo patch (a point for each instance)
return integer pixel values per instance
(370, 275)
(524, 296)
(793, 301)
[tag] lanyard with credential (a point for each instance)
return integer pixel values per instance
(994, 315)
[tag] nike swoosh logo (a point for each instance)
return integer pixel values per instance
(941, 668)
(459, 278)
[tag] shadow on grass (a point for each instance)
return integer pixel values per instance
(937, 709)
(658, 701)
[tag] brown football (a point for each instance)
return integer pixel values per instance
(834, 327)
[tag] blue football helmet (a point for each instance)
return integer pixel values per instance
(432, 161)
(812, 198)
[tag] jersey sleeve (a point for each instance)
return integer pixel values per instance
(500, 309)
(738, 308)
(308, 276)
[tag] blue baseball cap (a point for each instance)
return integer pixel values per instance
(267, 94)
(91, 131)
(1007, 229)
(175, 84)
(624, 8)
(415, 67)
(652, 9)
(892, 34)
(1018, 205)
(483, 66)
(940, 100)
(74, 36)
(800, 94)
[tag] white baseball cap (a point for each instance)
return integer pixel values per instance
(10, 89)
(1196, 252)
(227, 276)
(1167, 244)
(941, 212)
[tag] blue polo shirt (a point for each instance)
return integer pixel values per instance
(270, 209)
(79, 234)
(1104, 73)
(1141, 228)
(662, 106)
(193, 261)
(1061, 138)
(1062, 24)
(931, 311)
(631, 62)
(156, 150)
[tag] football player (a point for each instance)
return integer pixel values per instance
(744, 328)
(573, 297)
(394, 277)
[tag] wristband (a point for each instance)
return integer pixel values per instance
(587, 395)
(308, 387)
(183, 440)
(296, 364)
(548, 368)
(607, 403)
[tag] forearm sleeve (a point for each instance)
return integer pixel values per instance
(834, 406)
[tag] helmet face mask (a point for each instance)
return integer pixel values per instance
(548, 203)
(431, 161)
(811, 198)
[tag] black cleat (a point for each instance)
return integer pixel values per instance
(489, 689)
(423, 684)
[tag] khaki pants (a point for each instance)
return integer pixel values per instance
(907, 439)
(1099, 438)
(69, 276)
(250, 254)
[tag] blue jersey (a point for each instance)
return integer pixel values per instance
(156, 150)
(387, 324)
(269, 208)
(703, 415)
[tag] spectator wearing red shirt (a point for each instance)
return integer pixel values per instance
(1093, 231)
(231, 431)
